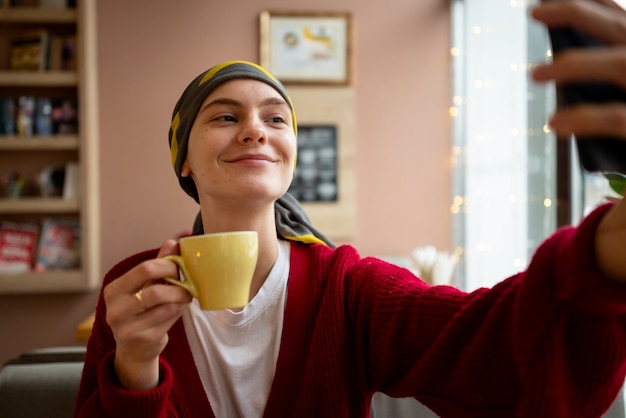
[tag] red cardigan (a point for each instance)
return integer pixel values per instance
(549, 342)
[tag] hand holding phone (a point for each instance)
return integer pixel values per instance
(597, 154)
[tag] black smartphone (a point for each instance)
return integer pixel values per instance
(596, 154)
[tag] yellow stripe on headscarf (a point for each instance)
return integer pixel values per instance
(307, 239)
(174, 146)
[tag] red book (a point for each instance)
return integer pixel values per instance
(18, 242)
(59, 245)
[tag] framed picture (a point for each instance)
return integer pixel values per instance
(316, 176)
(306, 48)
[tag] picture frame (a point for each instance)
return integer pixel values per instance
(316, 178)
(327, 129)
(307, 48)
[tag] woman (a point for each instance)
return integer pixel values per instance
(325, 329)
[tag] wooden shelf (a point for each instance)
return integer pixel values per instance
(20, 15)
(38, 205)
(10, 78)
(56, 281)
(39, 143)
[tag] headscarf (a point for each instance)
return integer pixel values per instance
(292, 222)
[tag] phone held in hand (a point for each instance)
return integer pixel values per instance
(597, 154)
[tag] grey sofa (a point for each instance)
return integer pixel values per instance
(41, 383)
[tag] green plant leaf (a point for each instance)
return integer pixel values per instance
(617, 182)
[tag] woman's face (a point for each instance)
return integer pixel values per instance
(242, 144)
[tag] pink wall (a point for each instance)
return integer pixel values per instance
(149, 50)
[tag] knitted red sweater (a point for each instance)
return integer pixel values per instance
(545, 343)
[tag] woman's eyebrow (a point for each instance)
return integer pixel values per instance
(274, 101)
(270, 101)
(220, 101)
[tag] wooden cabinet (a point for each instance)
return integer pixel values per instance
(30, 154)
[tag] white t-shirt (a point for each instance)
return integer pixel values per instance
(236, 352)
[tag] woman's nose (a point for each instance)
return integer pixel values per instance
(253, 130)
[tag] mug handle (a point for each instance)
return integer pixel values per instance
(187, 284)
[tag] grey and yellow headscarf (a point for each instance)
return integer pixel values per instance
(292, 223)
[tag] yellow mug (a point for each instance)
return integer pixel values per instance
(217, 268)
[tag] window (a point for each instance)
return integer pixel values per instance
(504, 199)
(504, 193)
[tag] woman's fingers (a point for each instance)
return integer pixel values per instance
(151, 325)
(586, 65)
(603, 20)
(138, 303)
(169, 247)
(147, 272)
(587, 120)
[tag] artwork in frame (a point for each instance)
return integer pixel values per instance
(307, 48)
(316, 176)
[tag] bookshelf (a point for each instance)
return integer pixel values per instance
(29, 154)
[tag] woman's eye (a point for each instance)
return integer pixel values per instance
(277, 119)
(225, 118)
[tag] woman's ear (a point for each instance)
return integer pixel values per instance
(185, 170)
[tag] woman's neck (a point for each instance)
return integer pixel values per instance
(262, 221)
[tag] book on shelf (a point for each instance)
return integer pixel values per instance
(62, 53)
(29, 50)
(71, 182)
(43, 116)
(8, 119)
(59, 245)
(27, 116)
(65, 117)
(18, 242)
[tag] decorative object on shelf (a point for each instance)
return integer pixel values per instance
(18, 241)
(51, 181)
(29, 50)
(12, 184)
(59, 245)
(306, 48)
